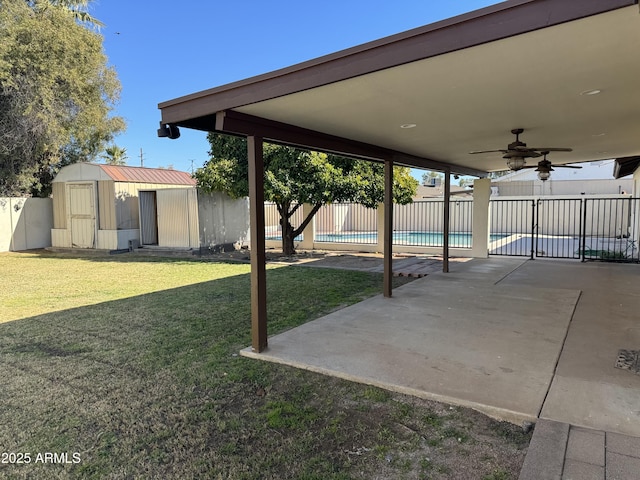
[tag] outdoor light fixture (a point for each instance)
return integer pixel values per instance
(544, 168)
(168, 131)
(515, 163)
(544, 175)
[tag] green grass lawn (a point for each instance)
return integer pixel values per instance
(132, 364)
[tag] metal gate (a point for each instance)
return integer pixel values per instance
(511, 226)
(558, 227)
(575, 228)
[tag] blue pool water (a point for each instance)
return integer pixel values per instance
(419, 239)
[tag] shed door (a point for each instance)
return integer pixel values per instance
(82, 209)
(173, 217)
(148, 218)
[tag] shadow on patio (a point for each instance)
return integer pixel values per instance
(513, 338)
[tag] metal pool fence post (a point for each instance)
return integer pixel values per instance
(533, 227)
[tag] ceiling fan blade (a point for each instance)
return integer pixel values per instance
(567, 166)
(550, 149)
(488, 151)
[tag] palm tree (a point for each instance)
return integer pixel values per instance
(114, 155)
(77, 8)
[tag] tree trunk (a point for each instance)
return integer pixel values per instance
(288, 235)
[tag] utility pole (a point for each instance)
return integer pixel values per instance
(141, 158)
(191, 159)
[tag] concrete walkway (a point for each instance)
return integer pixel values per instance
(559, 451)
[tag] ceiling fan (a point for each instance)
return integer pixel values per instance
(517, 151)
(544, 167)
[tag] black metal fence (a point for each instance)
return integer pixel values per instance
(610, 226)
(272, 227)
(574, 228)
(558, 227)
(346, 223)
(420, 223)
(416, 224)
(511, 225)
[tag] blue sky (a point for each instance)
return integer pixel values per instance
(165, 49)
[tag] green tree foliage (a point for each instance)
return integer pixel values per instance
(56, 92)
(114, 155)
(294, 177)
(76, 9)
(428, 177)
(465, 182)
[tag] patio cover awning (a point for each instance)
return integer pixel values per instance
(464, 82)
(566, 71)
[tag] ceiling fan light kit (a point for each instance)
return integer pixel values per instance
(517, 151)
(516, 163)
(544, 176)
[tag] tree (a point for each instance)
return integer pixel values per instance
(294, 177)
(465, 181)
(76, 9)
(428, 177)
(114, 155)
(499, 173)
(56, 93)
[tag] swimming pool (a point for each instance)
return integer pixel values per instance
(416, 239)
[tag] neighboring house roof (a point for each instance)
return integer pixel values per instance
(95, 172)
(424, 191)
(602, 170)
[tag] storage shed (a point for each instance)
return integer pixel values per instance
(112, 207)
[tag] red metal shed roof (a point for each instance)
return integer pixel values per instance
(148, 175)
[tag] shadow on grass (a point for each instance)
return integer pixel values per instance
(152, 385)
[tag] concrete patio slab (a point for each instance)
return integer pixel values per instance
(587, 389)
(453, 337)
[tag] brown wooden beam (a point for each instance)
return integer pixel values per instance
(238, 123)
(258, 267)
(447, 216)
(388, 228)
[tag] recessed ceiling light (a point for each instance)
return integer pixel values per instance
(408, 125)
(591, 92)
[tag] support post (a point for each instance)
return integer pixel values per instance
(309, 233)
(388, 227)
(447, 216)
(635, 232)
(481, 198)
(258, 268)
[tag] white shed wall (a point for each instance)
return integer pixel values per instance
(177, 218)
(25, 223)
